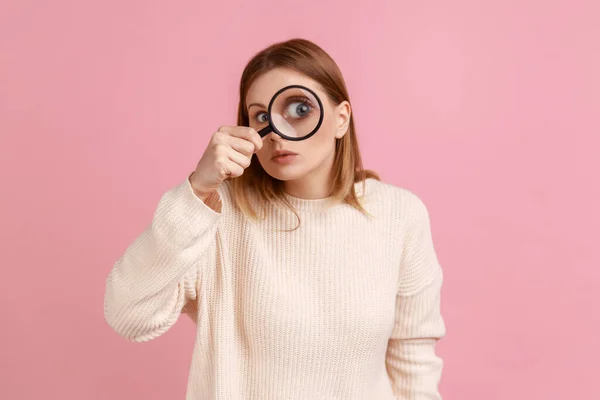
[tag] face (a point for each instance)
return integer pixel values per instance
(311, 157)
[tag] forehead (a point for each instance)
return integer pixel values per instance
(266, 85)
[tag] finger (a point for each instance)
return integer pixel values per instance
(233, 169)
(241, 145)
(238, 158)
(226, 128)
(245, 132)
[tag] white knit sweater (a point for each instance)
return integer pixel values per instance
(346, 307)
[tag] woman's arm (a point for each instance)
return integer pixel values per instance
(414, 368)
(155, 277)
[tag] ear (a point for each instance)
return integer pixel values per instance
(343, 114)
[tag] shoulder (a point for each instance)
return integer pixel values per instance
(395, 199)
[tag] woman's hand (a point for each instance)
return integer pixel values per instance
(227, 155)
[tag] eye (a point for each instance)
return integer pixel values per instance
(298, 109)
(261, 117)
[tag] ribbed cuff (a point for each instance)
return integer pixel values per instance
(181, 217)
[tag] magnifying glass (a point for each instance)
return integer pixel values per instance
(294, 113)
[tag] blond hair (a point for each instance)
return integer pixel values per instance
(309, 59)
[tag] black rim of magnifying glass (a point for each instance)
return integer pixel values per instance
(271, 128)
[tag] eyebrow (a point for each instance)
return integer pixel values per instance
(257, 104)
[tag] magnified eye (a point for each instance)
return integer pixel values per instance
(298, 108)
(262, 118)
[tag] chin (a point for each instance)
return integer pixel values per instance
(285, 173)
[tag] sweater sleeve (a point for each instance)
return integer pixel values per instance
(151, 282)
(412, 364)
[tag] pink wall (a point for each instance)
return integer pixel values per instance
(488, 110)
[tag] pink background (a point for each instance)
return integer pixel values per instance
(488, 110)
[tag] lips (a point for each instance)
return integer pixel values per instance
(280, 153)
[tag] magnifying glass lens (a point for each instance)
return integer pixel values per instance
(295, 113)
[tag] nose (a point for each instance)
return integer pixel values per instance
(273, 137)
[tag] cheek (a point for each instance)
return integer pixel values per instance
(328, 128)
(325, 136)
(319, 146)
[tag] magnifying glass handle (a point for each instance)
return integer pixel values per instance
(265, 131)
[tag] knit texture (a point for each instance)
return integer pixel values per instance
(345, 307)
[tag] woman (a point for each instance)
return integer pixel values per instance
(307, 277)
